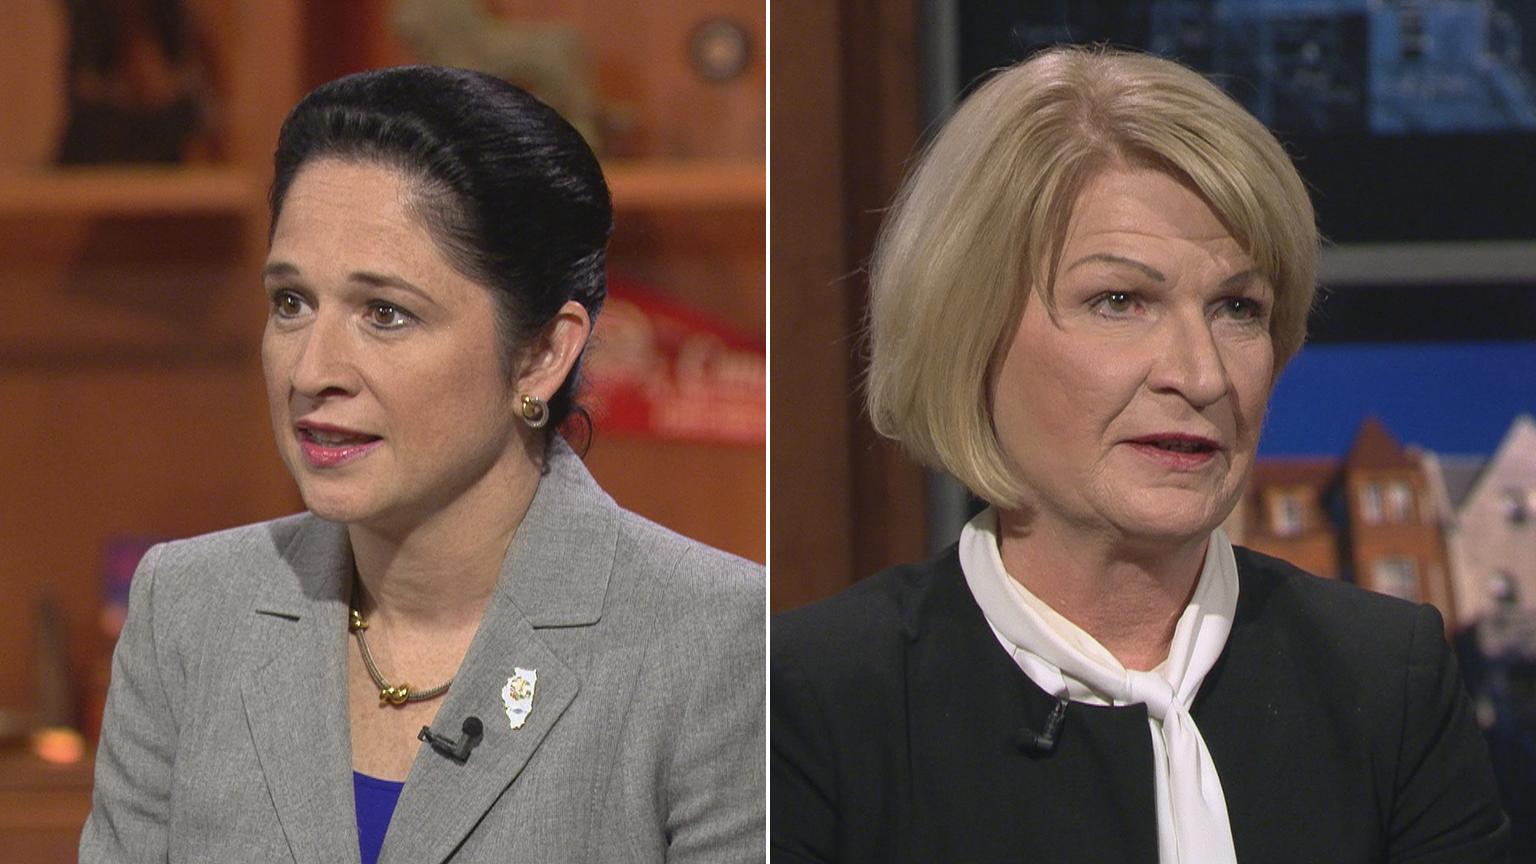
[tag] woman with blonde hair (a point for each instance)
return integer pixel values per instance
(1080, 303)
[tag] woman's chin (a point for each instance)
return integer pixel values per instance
(1170, 522)
(332, 513)
(333, 507)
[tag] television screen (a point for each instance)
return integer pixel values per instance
(1412, 121)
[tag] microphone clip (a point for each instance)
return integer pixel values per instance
(458, 748)
(1043, 743)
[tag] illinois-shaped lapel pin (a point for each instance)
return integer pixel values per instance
(518, 695)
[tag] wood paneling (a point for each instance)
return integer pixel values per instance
(685, 160)
(845, 116)
(812, 328)
(131, 400)
(640, 55)
(883, 109)
(711, 487)
(42, 808)
(130, 388)
(130, 392)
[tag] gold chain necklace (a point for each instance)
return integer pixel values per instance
(397, 694)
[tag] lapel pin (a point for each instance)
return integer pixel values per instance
(518, 695)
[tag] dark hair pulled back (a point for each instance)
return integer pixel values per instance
(511, 191)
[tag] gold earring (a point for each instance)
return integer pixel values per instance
(535, 412)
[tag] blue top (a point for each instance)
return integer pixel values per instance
(376, 800)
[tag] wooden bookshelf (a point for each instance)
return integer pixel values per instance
(687, 184)
(42, 807)
(135, 191)
(637, 184)
(135, 342)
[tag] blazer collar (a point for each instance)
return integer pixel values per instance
(556, 574)
(953, 655)
(556, 571)
(444, 800)
(966, 703)
(969, 704)
(295, 689)
(561, 559)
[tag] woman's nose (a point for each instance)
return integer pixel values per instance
(1189, 362)
(324, 364)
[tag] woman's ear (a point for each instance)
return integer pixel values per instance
(549, 359)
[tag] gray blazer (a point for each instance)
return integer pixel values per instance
(226, 733)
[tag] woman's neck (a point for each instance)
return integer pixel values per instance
(1128, 596)
(440, 572)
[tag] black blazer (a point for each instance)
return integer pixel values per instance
(1336, 717)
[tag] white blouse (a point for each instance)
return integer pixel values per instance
(1063, 659)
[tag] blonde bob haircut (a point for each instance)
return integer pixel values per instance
(977, 229)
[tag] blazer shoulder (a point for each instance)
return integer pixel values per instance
(1354, 638)
(687, 593)
(703, 572)
(1269, 587)
(259, 538)
(188, 597)
(214, 566)
(867, 625)
(1343, 670)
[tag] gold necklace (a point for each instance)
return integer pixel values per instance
(391, 694)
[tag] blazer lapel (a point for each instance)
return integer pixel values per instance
(968, 703)
(556, 575)
(443, 800)
(295, 695)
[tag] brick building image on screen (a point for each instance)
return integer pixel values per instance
(1455, 531)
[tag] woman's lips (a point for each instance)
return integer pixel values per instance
(1177, 452)
(328, 448)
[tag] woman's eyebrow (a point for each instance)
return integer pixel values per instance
(285, 270)
(1233, 281)
(1241, 278)
(383, 280)
(1120, 260)
(279, 268)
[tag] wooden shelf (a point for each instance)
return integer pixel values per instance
(42, 807)
(36, 794)
(686, 184)
(128, 191)
(681, 184)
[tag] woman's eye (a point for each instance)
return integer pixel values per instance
(1242, 309)
(1115, 303)
(286, 304)
(387, 316)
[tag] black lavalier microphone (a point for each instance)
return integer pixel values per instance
(1043, 742)
(456, 749)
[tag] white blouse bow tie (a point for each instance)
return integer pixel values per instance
(1061, 658)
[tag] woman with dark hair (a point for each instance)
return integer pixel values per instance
(464, 649)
